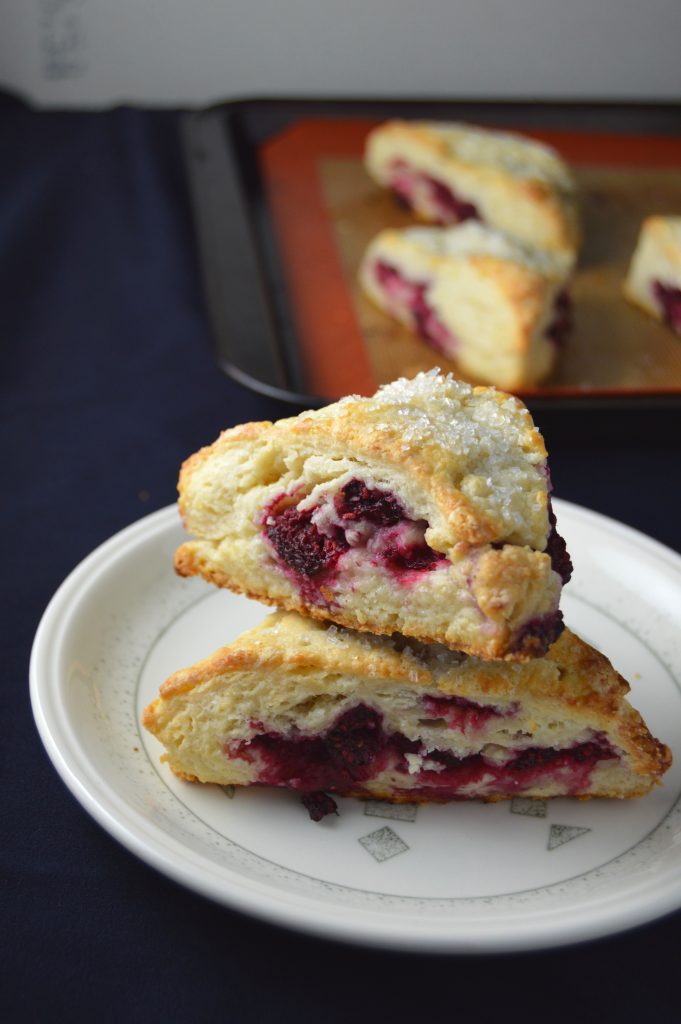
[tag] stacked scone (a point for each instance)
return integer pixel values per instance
(489, 286)
(418, 653)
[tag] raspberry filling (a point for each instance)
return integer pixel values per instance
(318, 805)
(301, 545)
(462, 714)
(536, 636)
(311, 542)
(406, 552)
(556, 548)
(351, 752)
(561, 324)
(409, 297)
(356, 749)
(357, 502)
(668, 298)
(444, 204)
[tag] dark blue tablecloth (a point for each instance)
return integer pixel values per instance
(108, 382)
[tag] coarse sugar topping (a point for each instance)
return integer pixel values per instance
(483, 439)
(462, 241)
(435, 408)
(520, 156)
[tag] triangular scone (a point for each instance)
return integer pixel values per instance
(654, 279)
(319, 709)
(449, 172)
(423, 510)
(498, 308)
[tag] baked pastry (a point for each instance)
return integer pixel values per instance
(654, 278)
(422, 510)
(322, 710)
(498, 308)
(450, 172)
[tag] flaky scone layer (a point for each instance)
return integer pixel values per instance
(516, 184)
(294, 678)
(467, 467)
(494, 297)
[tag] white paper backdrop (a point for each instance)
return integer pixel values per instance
(96, 52)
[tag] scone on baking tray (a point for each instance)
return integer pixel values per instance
(422, 510)
(450, 172)
(319, 709)
(654, 278)
(498, 308)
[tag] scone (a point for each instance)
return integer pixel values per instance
(498, 308)
(423, 510)
(654, 278)
(322, 710)
(450, 172)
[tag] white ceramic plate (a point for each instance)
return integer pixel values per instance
(463, 877)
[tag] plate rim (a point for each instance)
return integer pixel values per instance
(298, 910)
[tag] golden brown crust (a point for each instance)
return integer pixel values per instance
(393, 797)
(572, 673)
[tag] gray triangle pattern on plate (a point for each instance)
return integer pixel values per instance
(561, 834)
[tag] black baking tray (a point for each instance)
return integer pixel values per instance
(247, 298)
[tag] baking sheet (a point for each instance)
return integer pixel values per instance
(326, 210)
(282, 210)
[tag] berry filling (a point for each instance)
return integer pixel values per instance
(409, 297)
(400, 556)
(461, 714)
(311, 542)
(351, 752)
(668, 298)
(356, 749)
(557, 550)
(442, 202)
(536, 636)
(318, 805)
(561, 324)
(357, 501)
(299, 543)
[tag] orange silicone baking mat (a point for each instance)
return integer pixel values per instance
(325, 210)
